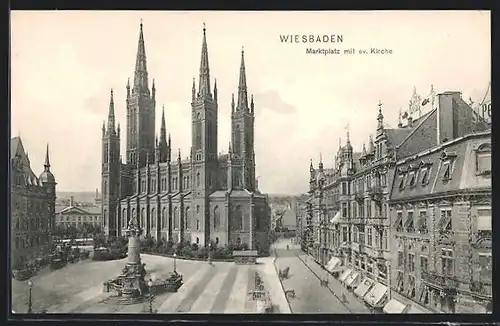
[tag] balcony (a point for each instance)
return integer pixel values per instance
(375, 192)
(359, 196)
(443, 281)
(480, 288)
(359, 247)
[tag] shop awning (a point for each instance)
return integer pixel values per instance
(364, 287)
(344, 275)
(336, 218)
(484, 223)
(352, 279)
(375, 296)
(394, 307)
(415, 310)
(333, 264)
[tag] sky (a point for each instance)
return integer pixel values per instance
(64, 64)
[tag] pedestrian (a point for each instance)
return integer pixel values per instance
(344, 298)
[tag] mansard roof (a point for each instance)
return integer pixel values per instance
(430, 173)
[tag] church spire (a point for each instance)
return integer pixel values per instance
(204, 85)
(141, 71)
(242, 86)
(47, 160)
(111, 115)
(163, 128)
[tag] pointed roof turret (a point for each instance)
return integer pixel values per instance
(363, 153)
(163, 128)
(46, 165)
(320, 165)
(111, 114)
(204, 83)
(215, 89)
(371, 146)
(251, 104)
(380, 117)
(348, 141)
(141, 71)
(47, 176)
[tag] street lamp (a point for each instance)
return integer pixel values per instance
(150, 285)
(209, 253)
(30, 285)
(175, 263)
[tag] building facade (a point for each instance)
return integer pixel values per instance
(440, 212)
(78, 216)
(32, 206)
(349, 207)
(206, 197)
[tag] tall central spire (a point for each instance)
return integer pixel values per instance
(204, 86)
(242, 86)
(141, 71)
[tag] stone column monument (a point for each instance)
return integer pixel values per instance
(132, 276)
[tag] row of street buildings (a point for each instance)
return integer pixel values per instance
(406, 222)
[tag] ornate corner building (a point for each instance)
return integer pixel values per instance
(32, 206)
(410, 216)
(206, 197)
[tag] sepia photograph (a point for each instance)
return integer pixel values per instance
(250, 162)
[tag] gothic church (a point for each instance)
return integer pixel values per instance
(208, 197)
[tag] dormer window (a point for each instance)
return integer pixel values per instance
(483, 160)
(446, 171)
(402, 181)
(425, 176)
(413, 179)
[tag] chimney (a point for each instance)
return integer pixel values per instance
(72, 201)
(410, 122)
(446, 129)
(96, 193)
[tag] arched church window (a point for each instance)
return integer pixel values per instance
(176, 218)
(238, 218)
(187, 217)
(216, 218)
(104, 218)
(153, 218)
(124, 218)
(237, 140)
(198, 179)
(143, 218)
(163, 221)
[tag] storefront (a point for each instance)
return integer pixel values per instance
(414, 309)
(333, 265)
(352, 281)
(343, 277)
(395, 307)
(376, 297)
(363, 287)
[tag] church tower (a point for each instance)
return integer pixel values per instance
(204, 140)
(140, 112)
(110, 175)
(242, 136)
